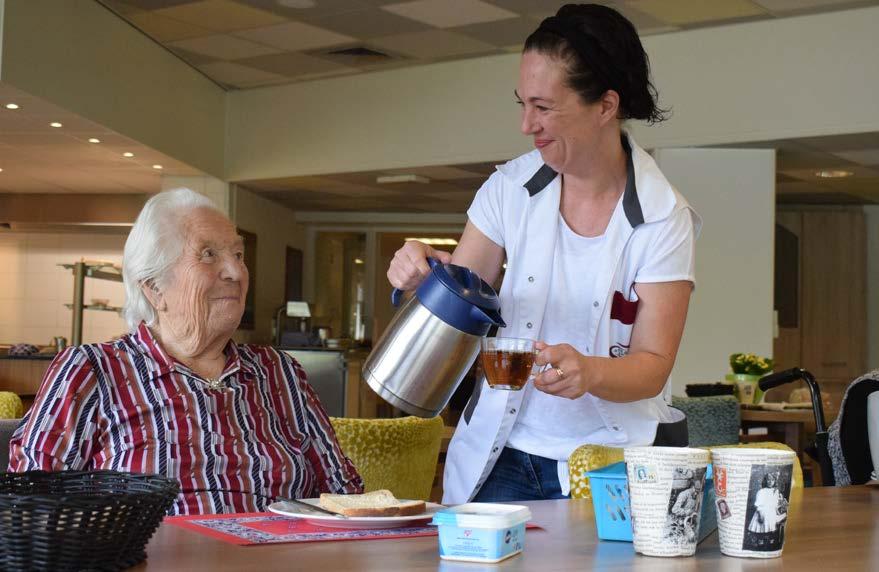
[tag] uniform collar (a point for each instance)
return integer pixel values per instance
(648, 196)
(147, 344)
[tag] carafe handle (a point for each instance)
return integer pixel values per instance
(397, 294)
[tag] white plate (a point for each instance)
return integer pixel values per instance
(326, 520)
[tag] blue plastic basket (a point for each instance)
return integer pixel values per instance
(610, 503)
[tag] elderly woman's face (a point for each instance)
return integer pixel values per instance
(207, 285)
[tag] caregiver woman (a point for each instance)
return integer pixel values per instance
(601, 257)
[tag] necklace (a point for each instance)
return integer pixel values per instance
(215, 384)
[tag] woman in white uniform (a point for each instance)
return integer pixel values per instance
(600, 252)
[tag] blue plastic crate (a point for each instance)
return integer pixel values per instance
(610, 503)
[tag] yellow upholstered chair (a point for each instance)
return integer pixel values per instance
(395, 454)
(588, 458)
(10, 405)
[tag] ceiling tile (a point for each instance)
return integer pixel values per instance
(192, 58)
(373, 23)
(532, 7)
(862, 157)
(223, 47)
(449, 13)
(147, 4)
(236, 75)
(645, 23)
(681, 12)
(433, 44)
(779, 6)
(220, 15)
(164, 29)
(320, 9)
(291, 64)
(296, 36)
(511, 31)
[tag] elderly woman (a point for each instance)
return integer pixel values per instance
(237, 426)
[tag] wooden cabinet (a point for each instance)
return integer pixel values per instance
(820, 295)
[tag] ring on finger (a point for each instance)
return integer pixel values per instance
(560, 372)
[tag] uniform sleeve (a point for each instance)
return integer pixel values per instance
(58, 431)
(486, 210)
(672, 253)
(335, 472)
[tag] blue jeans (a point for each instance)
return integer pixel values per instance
(518, 476)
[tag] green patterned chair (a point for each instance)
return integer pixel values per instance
(711, 420)
(395, 454)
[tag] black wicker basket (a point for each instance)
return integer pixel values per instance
(69, 520)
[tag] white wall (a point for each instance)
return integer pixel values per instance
(792, 77)
(213, 188)
(276, 228)
(34, 289)
(731, 309)
(872, 215)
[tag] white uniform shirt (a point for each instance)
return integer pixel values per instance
(513, 209)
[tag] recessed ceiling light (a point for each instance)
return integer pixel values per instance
(358, 261)
(831, 174)
(157, 166)
(408, 178)
(11, 106)
(94, 140)
(55, 124)
(300, 4)
(128, 154)
(1, 169)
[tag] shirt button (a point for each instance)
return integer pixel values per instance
(494, 450)
(513, 410)
(615, 428)
(528, 325)
(531, 279)
(595, 304)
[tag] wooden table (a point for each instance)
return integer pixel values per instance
(834, 528)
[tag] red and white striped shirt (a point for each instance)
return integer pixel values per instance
(128, 406)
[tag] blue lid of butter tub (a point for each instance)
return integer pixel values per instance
(483, 515)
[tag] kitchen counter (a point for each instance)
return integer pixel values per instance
(30, 357)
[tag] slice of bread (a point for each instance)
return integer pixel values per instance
(375, 503)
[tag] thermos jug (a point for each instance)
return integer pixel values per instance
(432, 340)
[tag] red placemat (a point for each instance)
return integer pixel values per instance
(254, 528)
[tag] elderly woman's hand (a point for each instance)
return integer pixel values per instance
(409, 265)
(568, 375)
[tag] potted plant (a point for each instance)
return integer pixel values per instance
(747, 371)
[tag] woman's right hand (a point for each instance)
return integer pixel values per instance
(409, 265)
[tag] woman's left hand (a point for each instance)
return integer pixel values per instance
(568, 374)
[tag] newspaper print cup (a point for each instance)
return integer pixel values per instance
(665, 492)
(752, 491)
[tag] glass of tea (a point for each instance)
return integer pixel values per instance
(507, 362)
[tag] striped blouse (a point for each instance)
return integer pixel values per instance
(128, 406)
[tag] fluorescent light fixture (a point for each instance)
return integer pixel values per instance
(94, 140)
(128, 154)
(436, 241)
(392, 179)
(55, 124)
(157, 167)
(832, 174)
(11, 106)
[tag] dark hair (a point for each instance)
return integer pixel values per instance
(602, 51)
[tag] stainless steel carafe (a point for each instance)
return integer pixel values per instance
(433, 339)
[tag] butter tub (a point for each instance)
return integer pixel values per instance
(481, 532)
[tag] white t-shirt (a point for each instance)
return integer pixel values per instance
(551, 426)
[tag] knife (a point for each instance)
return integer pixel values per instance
(312, 507)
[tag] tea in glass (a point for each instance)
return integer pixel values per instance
(507, 362)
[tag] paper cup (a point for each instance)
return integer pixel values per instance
(752, 491)
(665, 492)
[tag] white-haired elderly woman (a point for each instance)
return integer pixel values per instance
(236, 425)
